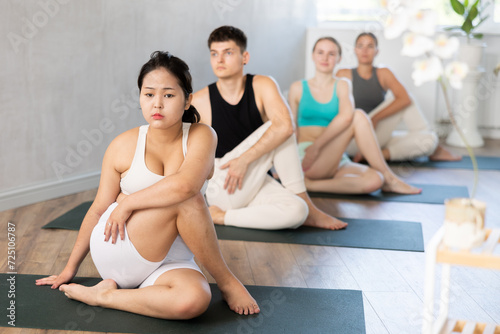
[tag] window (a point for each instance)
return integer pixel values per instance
(374, 10)
(496, 14)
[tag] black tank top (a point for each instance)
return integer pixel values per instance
(233, 123)
(368, 94)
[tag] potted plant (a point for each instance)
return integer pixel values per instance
(472, 15)
(471, 53)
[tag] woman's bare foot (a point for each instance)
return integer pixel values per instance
(442, 154)
(217, 214)
(394, 184)
(318, 218)
(238, 298)
(91, 295)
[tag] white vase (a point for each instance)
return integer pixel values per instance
(471, 53)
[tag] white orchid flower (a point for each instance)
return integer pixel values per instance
(445, 47)
(423, 22)
(395, 24)
(415, 45)
(456, 71)
(429, 69)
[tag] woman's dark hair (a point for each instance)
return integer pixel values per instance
(178, 68)
(228, 33)
(331, 39)
(369, 34)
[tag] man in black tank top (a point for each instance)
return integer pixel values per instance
(255, 132)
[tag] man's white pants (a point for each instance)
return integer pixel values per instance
(262, 203)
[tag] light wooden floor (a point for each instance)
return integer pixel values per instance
(392, 281)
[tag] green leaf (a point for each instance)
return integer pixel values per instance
(477, 36)
(466, 3)
(467, 27)
(458, 7)
(472, 14)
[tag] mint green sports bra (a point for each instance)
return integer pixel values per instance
(313, 113)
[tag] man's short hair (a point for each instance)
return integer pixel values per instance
(228, 33)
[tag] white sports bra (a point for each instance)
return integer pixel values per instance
(139, 176)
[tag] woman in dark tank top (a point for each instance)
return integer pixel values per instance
(370, 85)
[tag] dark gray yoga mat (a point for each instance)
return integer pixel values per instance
(483, 163)
(431, 194)
(283, 310)
(360, 233)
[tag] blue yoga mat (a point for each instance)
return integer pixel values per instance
(483, 163)
(431, 194)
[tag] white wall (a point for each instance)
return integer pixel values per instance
(69, 72)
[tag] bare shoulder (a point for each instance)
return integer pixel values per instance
(263, 81)
(296, 85)
(344, 85)
(265, 88)
(125, 139)
(200, 130)
(384, 72)
(201, 101)
(295, 91)
(201, 96)
(388, 79)
(344, 73)
(122, 149)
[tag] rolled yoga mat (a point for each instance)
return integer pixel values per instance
(283, 310)
(483, 163)
(360, 233)
(431, 194)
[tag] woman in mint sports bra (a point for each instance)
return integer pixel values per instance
(149, 216)
(327, 121)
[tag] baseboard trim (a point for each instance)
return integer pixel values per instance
(49, 190)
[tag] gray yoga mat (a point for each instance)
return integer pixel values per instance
(483, 163)
(431, 194)
(360, 233)
(283, 310)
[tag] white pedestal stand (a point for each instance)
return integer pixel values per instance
(466, 112)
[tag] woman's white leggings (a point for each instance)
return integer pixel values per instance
(418, 140)
(262, 203)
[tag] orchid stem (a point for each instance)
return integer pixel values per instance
(462, 136)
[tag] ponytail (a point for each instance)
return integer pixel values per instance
(191, 115)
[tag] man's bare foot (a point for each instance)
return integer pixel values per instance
(319, 219)
(91, 295)
(238, 298)
(217, 214)
(394, 184)
(442, 154)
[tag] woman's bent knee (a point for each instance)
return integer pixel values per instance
(372, 181)
(194, 303)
